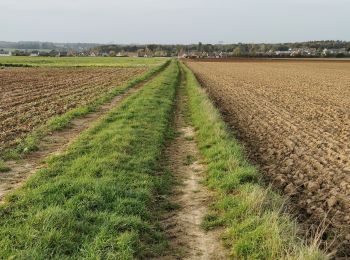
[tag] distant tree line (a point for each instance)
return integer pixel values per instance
(237, 49)
(35, 45)
(311, 48)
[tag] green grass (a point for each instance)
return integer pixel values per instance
(97, 200)
(20, 61)
(30, 143)
(4, 167)
(256, 226)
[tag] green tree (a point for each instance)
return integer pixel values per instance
(237, 51)
(200, 46)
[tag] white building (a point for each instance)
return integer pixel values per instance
(283, 53)
(334, 51)
(5, 53)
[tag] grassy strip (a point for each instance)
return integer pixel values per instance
(97, 200)
(31, 142)
(255, 225)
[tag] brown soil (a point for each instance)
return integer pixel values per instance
(187, 239)
(295, 120)
(30, 96)
(55, 143)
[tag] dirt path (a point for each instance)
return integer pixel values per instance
(187, 239)
(55, 143)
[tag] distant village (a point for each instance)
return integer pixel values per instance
(337, 49)
(87, 53)
(296, 52)
(146, 53)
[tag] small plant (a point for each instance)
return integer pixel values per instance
(170, 206)
(4, 167)
(189, 138)
(189, 159)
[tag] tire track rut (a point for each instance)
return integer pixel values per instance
(183, 226)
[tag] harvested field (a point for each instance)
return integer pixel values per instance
(31, 96)
(294, 118)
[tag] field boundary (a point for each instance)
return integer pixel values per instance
(31, 141)
(256, 224)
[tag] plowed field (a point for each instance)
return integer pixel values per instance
(30, 96)
(294, 118)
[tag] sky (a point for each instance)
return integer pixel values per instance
(174, 21)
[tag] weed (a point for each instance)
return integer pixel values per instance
(189, 138)
(170, 206)
(189, 159)
(4, 167)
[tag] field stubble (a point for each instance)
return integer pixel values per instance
(295, 121)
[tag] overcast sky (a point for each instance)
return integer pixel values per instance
(174, 21)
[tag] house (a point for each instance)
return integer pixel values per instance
(327, 52)
(122, 54)
(160, 53)
(34, 54)
(260, 53)
(271, 52)
(296, 52)
(141, 53)
(223, 55)
(44, 54)
(132, 54)
(194, 55)
(283, 53)
(5, 53)
(148, 53)
(72, 54)
(62, 54)
(216, 55)
(182, 54)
